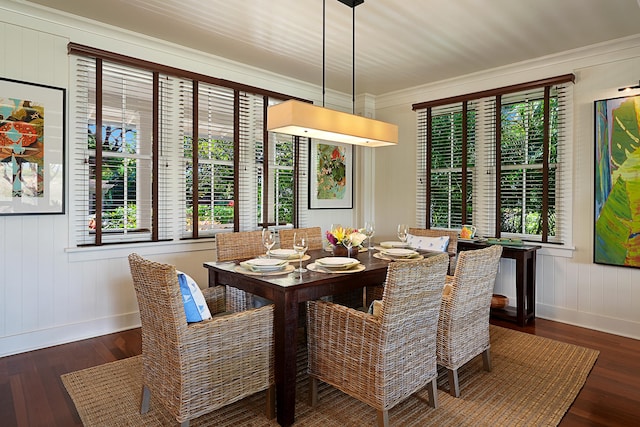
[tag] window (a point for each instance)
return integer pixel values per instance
(174, 155)
(498, 160)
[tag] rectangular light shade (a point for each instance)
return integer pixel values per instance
(304, 119)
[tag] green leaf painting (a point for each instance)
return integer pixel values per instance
(617, 181)
(331, 173)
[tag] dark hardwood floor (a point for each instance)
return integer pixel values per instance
(32, 394)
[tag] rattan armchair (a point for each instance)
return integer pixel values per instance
(381, 360)
(195, 368)
(314, 235)
(463, 327)
(240, 245)
(452, 247)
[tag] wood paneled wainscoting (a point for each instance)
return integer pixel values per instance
(32, 394)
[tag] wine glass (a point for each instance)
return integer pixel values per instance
(348, 244)
(268, 240)
(402, 233)
(369, 231)
(300, 245)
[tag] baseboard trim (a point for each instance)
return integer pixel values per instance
(594, 321)
(36, 340)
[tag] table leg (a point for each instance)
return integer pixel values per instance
(286, 325)
(521, 282)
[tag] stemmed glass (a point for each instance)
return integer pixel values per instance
(402, 233)
(268, 240)
(300, 245)
(369, 231)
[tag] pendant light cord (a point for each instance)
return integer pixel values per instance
(324, 17)
(353, 62)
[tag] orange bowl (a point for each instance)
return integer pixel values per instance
(499, 301)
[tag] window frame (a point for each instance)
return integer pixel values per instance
(486, 192)
(160, 195)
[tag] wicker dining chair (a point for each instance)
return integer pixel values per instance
(381, 360)
(240, 245)
(375, 292)
(195, 368)
(314, 235)
(463, 327)
(452, 247)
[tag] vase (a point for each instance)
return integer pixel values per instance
(340, 250)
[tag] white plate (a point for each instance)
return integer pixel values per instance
(337, 262)
(399, 252)
(393, 244)
(264, 264)
(284, 253)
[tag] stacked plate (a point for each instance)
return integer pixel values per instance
(399, 253)
(392, 244)
(284, 253)
(337, 263)
(265, 264)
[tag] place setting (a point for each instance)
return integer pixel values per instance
(290, 255)
(265, 267)
(336, 265)
(398, 254)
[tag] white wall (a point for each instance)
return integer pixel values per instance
(51, 293)
(569, 286)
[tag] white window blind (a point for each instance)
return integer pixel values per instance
(115, 151)
(517, 150)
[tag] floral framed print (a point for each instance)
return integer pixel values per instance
(330, 175)
(32, 140)
(617, 182)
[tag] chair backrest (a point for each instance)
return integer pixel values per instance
(472, 286)
(452, 247)
(314, 234)
(239, 245)
(161, 308)
(411, 303)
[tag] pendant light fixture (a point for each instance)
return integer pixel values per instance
(304, 119)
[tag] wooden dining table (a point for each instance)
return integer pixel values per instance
(287, 291)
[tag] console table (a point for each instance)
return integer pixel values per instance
(525, 257)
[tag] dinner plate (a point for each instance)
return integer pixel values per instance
(399, 252)
(322, 269)
(284, 253)
(393, 244)
(286, 270)
(264, 264)
(381, 255)
(337, 262)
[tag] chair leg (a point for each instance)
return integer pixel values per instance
(432, 389)
(146, 397)
(271, 402)
(313, 392)
(454, 387)
(486, 360)
(383, 418)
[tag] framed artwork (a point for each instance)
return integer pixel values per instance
(330, 175)
(617, 182)
(32, 139)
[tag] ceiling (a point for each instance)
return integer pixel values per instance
(399, 44)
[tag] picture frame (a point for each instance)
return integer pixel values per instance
(330, 175)
(616, 234)
(32, 148)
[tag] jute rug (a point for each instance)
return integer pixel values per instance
(533, 382)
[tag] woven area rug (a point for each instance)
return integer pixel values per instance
(533, 382)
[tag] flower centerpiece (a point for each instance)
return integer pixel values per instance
(342, 238)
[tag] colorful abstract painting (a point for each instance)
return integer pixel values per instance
(617, 182)
(331, 173)
(32, 134)
(22, 146)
